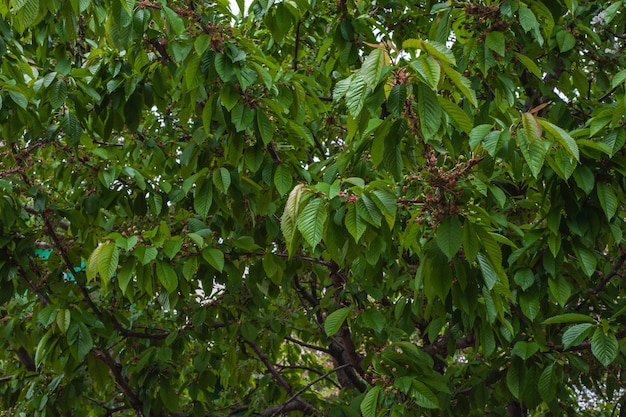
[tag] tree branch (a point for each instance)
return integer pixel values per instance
(307, 345)
(304, 406)
(115, 368)
(307, 386)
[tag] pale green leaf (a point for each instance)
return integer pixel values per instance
(108, 257)
(311, 221)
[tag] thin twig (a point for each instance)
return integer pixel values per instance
(309, 385)
(307, 345)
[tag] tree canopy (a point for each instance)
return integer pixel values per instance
(334, 208)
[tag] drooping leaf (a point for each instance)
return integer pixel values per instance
(370, 402)
(604, 346)
(450, 236)
(311, 221)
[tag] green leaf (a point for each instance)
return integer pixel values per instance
(449, 236)
(423, 395)
(354, 223)
(547, 383)
(167, 276)
(335, 320)
(569, 318)
(214, 257)
(462, 83)
(530, 65)
(529, 304)
(369, 402)
(458, 116)
(565, 40)
(531, 127)
(397, 100)
(429, 111)
(265, 126)
(229, 97)
(19, 98)
(608, 200)
(588, 261)
(584, 178)
(203, 197)
(355, 96)
(373, 67)
(435, 49)
(107, 261)
(57, 94)
(561, 136)
(489, 273)
(63, 319)
(429, 69)
(513, 381)
(145, 254)
(174, 20)
(374, 319)
(477, 135)
(527, 19)
(525, 350)
(78, 337)
(604, 346)
(576, 334)
(289, 218)
(618, 78)
(283, 179)
(495, 41)
(311, 221)
(560, 289)
(221, 179)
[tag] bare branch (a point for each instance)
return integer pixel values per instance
(307, 386)
(116, 370)
(303, 405)
(307, 345)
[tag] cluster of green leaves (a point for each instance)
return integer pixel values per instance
(338, 208)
